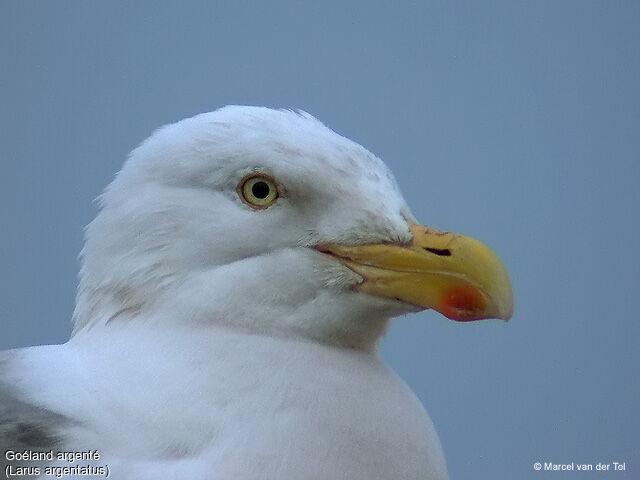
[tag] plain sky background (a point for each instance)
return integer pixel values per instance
(515, 122)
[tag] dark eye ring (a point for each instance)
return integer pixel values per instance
(258, 190)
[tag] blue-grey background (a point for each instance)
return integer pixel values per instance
(514, 122)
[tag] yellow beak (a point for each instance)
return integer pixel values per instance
(458, 276)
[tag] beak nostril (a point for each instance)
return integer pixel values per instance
(442, 252)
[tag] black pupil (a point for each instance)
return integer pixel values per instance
(260, 190)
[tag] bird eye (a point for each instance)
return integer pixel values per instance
(258, 190)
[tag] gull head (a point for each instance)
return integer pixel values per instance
(268, 221)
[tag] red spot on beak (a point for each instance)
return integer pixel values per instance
(462, 303)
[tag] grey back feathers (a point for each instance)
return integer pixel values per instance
(24, 426)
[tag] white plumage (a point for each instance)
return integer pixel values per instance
(210, 341)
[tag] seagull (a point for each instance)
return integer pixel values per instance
(233, 289)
